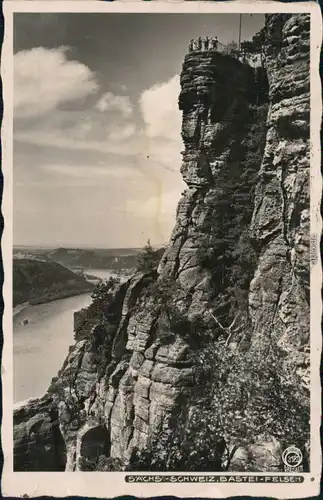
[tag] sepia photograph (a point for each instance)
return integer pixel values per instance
(161, 254)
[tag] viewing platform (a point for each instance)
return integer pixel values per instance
(206, 44)
(212, 44)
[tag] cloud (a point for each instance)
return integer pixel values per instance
(109, 101)
(150, 151)
(122, 132)
(160, 110)
(120, 140)
(44, 78)
(112, 163)
(158, 140)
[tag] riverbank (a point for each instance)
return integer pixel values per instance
(50, 298)
(42, 344)
(63, 294)
(101, 275)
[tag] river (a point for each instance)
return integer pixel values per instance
(40, 347)
(100, 273)
(107, 273)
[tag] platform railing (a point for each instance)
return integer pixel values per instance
(212, 44)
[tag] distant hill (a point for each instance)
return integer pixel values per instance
(38, 281)
(115, 259)
(100, 259)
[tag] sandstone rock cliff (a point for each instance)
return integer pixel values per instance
(281, 217)
(238, 253)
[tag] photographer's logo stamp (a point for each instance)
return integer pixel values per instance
(292, 458)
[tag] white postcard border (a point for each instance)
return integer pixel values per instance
(111, 484)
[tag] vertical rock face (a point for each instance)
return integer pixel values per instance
(279, 292)
(134, 363)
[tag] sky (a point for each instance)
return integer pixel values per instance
(96, 123)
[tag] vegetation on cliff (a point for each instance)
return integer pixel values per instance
(103, 307)
(242, 399)
(227, 248)
(148, 259)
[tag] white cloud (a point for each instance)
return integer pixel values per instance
(122, 132)
(158, 143)
(115, 102)
(43, 78)
(160, 109)
(151, 155)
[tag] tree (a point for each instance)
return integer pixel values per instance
(230, 330)
(101, 309)
(232, 49)
(103, 295)
(187, 441)
(171, 301)
(147, 259)
(104, 290)
(255, 393)
(226, 247)
(108, 464)
(255, 46)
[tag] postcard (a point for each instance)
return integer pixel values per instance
(162, 186)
